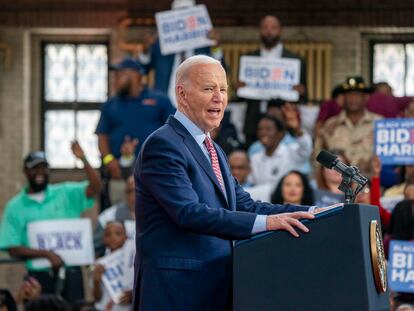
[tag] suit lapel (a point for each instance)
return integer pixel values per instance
(195, 149)
(225, 172)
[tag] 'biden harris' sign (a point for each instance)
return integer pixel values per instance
(394, 141)
(401, 266)
(71, 239)
(268, 78)
(183, 29)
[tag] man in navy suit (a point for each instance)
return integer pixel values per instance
(271, 47)
(189, 207)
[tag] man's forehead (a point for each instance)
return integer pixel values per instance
(270, 20)
(238, 157)
(211, 72)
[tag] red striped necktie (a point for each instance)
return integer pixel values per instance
(214, 161)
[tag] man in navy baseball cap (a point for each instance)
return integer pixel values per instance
(127, 119)
(34, 158)
(128, 63)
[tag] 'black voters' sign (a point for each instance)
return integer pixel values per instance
(394, 141)
(401, 266)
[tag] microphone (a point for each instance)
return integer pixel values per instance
(331, 161)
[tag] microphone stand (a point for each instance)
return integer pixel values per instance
(346, 188)
(346, 184)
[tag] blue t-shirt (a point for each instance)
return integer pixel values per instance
(136, 117)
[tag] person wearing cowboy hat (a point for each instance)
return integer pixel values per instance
(352, 131)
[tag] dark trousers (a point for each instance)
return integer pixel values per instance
(70, 288)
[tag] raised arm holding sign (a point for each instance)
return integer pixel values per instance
(184, 31)
(41, 201)
(271, 48)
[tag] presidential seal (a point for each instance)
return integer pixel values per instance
(379, 265)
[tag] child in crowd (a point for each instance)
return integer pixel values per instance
(114, 238)
(276, 160)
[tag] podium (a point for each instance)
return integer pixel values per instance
(333, 267)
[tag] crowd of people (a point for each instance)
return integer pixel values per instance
(274, 162)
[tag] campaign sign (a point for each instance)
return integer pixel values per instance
(183, 29)
(401, 266)
(268, 78)
(128, 264)
(130, 229)
(119, 270)
(113, 276)
(71, 239)
(394, 141)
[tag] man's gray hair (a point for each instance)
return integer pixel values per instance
(184, 68)
(405, 307)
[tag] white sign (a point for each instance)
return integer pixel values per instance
(128, 264)
(268, 78)
(113, 275)
(71, 239)
(119, 271)
(183, 29)
(389, 202)
(130, 229)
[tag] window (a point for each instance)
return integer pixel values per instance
(75, 84)
(393, 63)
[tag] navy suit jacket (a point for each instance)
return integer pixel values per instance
(185, 224)
(163, 64)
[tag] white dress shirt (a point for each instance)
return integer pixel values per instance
(270, 169)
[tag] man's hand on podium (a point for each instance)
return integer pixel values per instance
(287, 221)
(322, 209)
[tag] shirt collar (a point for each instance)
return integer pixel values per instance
(367, 117)
(273, 52)
(190, 126)
(25, 195)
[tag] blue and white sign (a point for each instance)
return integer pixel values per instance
(130, 229)
(114, 275)
(401, 266)
(268, 78)
(71, 239)
(394, 141)
(128, 264)
(183, 29)
(119, 270)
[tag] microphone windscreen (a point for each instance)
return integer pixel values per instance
(326, 158)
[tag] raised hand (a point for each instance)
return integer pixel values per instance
(291, 117)
(376, 166)
(214, 35)
(77, 150)
(148, 40)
